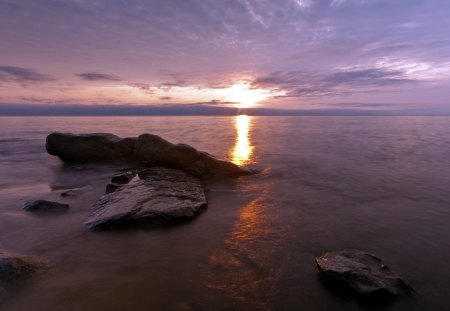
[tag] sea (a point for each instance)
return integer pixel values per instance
(378, 184)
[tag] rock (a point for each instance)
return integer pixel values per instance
(362, 273)
(97, 147)
(158, 195)
(153, 150)
(15, 267)
(111, 188)
(147, 149)
(45, 206)
(123, 178)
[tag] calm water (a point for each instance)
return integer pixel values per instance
(379, 184)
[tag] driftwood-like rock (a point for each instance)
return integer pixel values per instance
(45, 206)
(147, 150)
(157, 195)
(362, 273)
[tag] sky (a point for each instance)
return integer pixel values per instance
(310, 55)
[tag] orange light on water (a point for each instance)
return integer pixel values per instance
(242, 152)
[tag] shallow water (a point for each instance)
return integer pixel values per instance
(378, 184)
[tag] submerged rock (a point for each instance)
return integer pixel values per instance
(70, 193)
(15, 267)
(45, 206)
(147, 149)
(362, 273)
(158, 195)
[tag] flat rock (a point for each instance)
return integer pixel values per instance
(146, 150)
(362, 273)
(15, 267)
(156, 195)
(45, 206)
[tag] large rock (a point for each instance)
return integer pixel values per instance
(15, 267)
(97, 147)
(153, 150)
(45, 206)
(155, 195)
(147, 149)
(362, 273)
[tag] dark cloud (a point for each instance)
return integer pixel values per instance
(21, 75)
(307, 84)
(362, 105)
(95, 76)
(165, 98)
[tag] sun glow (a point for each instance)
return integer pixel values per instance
(242, 151)
(244, 95)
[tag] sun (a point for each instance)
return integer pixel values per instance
(244, 95)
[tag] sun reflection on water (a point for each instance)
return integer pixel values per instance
(242, 152)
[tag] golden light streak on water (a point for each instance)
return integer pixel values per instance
(242, 152)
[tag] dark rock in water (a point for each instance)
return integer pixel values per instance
(152, 150)
(70, 193)
(45, 206)
(123, 178)
(96, 147)
(147, 149)
(158, 195)
(118, 180)
(16, 267)
(363, 274)
(111, 188)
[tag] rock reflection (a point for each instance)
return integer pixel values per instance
(242, 152)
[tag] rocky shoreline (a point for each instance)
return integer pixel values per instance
(162, 187)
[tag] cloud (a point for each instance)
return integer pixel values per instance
(362, 105)
(95, 76)
(307, 84)
(200, 42)
(22, 75)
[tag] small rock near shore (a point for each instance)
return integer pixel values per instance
(364, 274)
(45, 206)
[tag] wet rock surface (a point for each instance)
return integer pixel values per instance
(361, 273)
(155, 195)
(45, 206)
(147, 150)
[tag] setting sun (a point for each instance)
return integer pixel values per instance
(244, 96)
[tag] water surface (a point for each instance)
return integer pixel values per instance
(378, 184)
